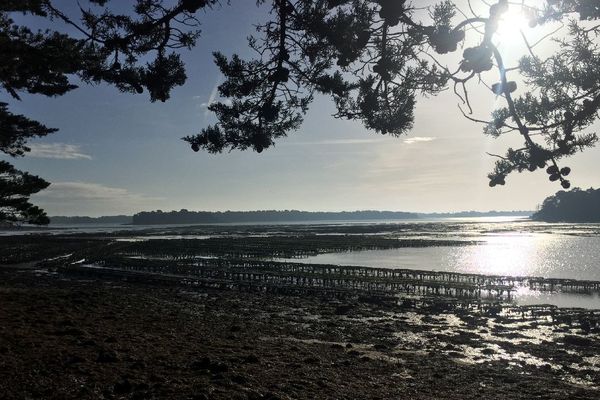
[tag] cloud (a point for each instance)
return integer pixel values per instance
(60, 151)
(90, 191)
(419, 139)
(211, 99)
(86, 198)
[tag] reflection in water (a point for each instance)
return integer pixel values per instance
(517, 254)
(524, 296)
(550, 256)
(532, 254)
(506, 254)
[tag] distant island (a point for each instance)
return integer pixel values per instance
(573, 206)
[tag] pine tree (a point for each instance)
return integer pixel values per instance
(110, 49)
(373, 57)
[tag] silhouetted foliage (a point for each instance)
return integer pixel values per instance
(16, 130)
(573, 206)
(134, 52)
(15, 188)
(373, 57)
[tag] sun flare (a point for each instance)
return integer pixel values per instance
(513, 23)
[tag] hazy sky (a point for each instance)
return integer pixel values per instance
(119, 153)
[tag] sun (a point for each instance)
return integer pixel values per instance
(513, 24)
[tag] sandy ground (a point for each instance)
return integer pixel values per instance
(67, 338)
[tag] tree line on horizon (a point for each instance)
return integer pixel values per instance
(184, 216)
(576, 205)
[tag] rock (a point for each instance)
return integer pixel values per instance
(577, 340)
(251, 359)
(122, 387)
(70, 332)
(107, 356)
(156, 378)
(141, 395)
(218, 367)
(239, 379)
(343, 309)
(139, 364)
(205, 363)
(74, 359)
(88, 342)
(311, 360)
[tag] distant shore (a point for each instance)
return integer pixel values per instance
(270, 216)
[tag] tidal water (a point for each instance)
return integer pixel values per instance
(505, 246)
(515, 254)
(514, 247)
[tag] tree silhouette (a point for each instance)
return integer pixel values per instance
(111, 48)
(373, 57)
(574, 206)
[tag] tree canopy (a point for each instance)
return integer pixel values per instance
(136, 53)
(374, 58)
(573, 206)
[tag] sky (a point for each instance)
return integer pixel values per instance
(119, 153)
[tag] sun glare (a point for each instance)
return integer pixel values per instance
(513, 22)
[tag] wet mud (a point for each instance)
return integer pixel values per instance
(64, 336)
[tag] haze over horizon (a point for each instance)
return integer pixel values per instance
(120, 154)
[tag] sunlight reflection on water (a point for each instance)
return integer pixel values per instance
(535, 254)
(517, 254)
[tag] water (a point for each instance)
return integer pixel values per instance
(509, 246)
(515, 254)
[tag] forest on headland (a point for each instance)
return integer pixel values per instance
(573, 206)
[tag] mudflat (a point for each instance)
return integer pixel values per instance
(63, 337)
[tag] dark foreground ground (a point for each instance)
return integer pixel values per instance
(63, 338)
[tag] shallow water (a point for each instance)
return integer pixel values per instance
(517, 254)
(509, 247)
